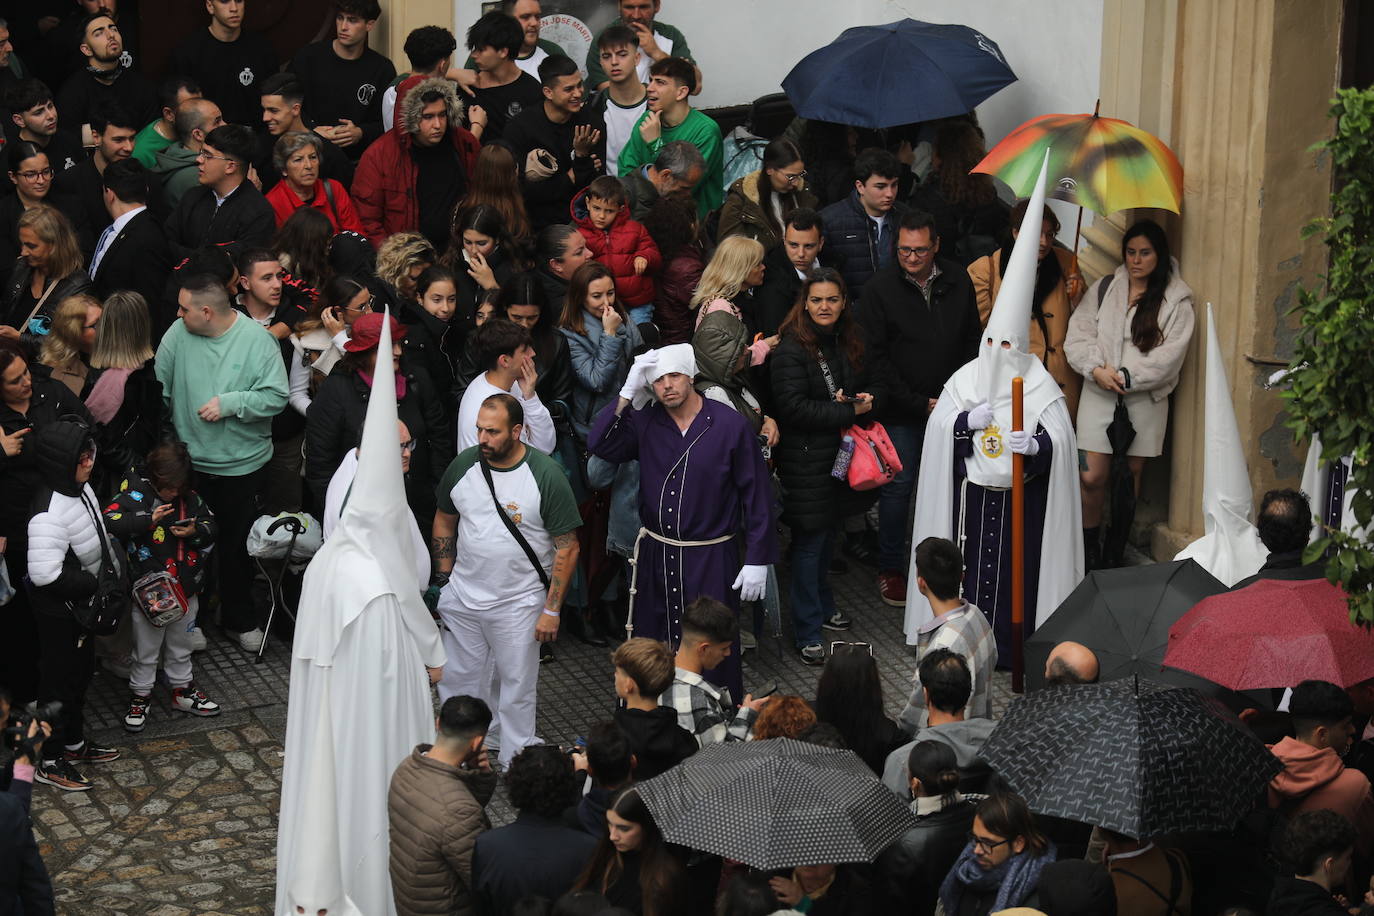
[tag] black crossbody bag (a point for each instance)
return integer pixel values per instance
(511, 526)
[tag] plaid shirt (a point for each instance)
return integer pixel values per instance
(966, 631)
(704, 709)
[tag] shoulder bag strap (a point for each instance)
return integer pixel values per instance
(825, 371)
(329, 196)
(510, 525)
(46, 293)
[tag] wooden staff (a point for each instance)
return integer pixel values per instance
(1018, 544)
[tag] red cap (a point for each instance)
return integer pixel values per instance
(367, 333)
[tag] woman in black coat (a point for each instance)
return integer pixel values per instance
(334, 423)
(819, 389)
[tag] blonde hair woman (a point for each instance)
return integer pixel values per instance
(69, 341)
(126, 397)
(401, 260)
(48, 271)
(734, 271)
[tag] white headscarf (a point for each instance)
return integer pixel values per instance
(679, 358)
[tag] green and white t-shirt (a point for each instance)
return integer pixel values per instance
(490, 568)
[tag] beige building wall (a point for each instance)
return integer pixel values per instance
(400, 17)
(1240, 90)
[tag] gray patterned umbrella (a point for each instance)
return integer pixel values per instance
(1132, 756)
(776, 804)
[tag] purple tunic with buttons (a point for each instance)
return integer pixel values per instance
(692, 487)
(987, 536)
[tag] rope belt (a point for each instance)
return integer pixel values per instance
(634, 568)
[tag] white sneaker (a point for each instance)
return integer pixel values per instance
(252, 640)
(198, 640)
(191, 699)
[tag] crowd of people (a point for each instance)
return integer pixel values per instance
(619, 379)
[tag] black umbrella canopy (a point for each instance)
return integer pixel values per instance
(1132, 756)
(776, 804)
(1124, 616)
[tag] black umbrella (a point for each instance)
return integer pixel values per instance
(776, 804)
(1120, 433)
(1124, 616)
(1138, 758)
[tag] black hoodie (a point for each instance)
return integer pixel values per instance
(656, 739)
(1296, 897)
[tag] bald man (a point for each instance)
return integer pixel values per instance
(1070, 663)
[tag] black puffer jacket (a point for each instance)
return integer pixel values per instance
(433, 345)
(141, 422)
(335, 422)
(810, 423)
(852, 235)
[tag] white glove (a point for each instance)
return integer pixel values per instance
(751, 582)
(980, 416)
(1022, 442)
(640, 376)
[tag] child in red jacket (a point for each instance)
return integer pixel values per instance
(620, 243)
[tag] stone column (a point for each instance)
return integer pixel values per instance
(1239, 89)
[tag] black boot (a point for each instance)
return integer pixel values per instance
(610, 619)
(1092, 549)
(574, 619)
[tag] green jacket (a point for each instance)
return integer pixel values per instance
(175, 167)
(701, 131)
(148, 142)
(596, 76)
(243, 368)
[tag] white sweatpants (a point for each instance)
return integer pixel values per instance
(149, 642)
(504, 636)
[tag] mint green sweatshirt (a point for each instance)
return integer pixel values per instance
(243, 368)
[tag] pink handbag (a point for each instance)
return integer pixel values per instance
(875, 460)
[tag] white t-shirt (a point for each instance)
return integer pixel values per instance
(490, 568)
(531, 64)
(665, 44)
(538, 431)
(620, 121)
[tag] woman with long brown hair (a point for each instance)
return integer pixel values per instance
(969, 217)
(495, 182)
(820, 388)
(632, 865)
(758, 204)
(601, 341)
(1128, 339)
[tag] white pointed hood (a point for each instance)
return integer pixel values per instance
(314, 881)
(1230, 548)
(368, 554)
(987, 377)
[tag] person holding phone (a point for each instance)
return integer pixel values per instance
(709, 631)
(164, 526)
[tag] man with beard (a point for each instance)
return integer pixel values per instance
(505, 548)
(700, 473)
(105, 77)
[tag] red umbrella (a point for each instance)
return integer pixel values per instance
(1275, 633)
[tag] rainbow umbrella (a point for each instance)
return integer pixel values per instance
(1104, 164)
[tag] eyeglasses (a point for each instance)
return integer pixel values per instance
(985, 844)
(914, 252)
(365, 307)
(840, 644)
(793, 177)
(35, 174)
(408, 445)
(204, 155)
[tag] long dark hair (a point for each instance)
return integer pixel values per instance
(304, 240)
(1007, 815)
(487, 220)
(1145, 331)
(849, 696)
(959, 147)
(776, 155)
(672, 223)
(527, 289)
(574, 316)
(660, 874)
(798, 322)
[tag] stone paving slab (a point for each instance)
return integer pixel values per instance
(185, 822)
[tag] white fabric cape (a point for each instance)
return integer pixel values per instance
(1230, 547)
(363, 639)
(1061, 543)
(337, 493)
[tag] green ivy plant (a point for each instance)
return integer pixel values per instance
(1332, 380)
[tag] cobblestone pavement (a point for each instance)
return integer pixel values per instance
(185, 821)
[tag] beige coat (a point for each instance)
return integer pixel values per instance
(436, 814)
(1100, 337)
(987, 280)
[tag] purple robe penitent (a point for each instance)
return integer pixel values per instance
(705, 484)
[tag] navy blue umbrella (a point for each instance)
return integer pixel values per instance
(899, 73)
